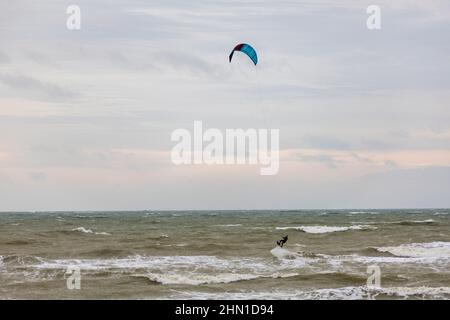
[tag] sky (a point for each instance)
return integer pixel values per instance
(86, 115)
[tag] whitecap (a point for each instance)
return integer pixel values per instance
(363, 212)
(103, 233)
(89, 231)
(418, 250)
(281, 253)
(197, 279)
(327, 229)
(343, 293)
(83, 230)
(228, 225)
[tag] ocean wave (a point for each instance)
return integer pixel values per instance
(312, 263)
(389, 260)
(88, 216)
(281, 253)
(203, 270)
(84, 230)
(197, 279)
(414, 222)
(19, 242)
(165, 270)
(228, 225)
(348, 262)
(201, 279)
(344, 293)
(19, 260)
(419, 250)
(399, 222)
(159, 263)
(327, 229)
(362, 212)
(16, 268)
(158, 237)
(174, 245)
(188, 270)
(105, 252)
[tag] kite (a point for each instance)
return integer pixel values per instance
(248, 50)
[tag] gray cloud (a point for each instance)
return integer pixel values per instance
(38, 176)
(40, 58)
(4, 59)
(325, 142)
(328, 160)
(141, 69)
(394, 188)
(29, 85)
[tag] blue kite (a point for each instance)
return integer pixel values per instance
(248, 50)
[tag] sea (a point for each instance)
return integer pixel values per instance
(330, 254)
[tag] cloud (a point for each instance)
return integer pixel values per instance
(4, 59)
(40, 58)
(181, 60)
(325, 142)
(38, 176)
(321, 158)
(26, 85)
(394, 188)
(375, 159)
(349, 102)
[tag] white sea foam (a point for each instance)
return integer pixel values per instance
(327, 229)
(181, 245)
(420, 292)
(198, 279)
(401, 222)
(84, 230)
(363, 212)
(419, 250)
(159, 263)
(353, 258)
(281, 253)
(344, 293)
(229, 225)
(337, 261)
(423, 221)
(189, 270)
(197, 270)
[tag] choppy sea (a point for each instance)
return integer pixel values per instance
(330, 254)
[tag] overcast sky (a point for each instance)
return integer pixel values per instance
(86, 116)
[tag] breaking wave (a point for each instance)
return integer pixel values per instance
(84, 230)
(419, 250)
(327, 229)
(344, 293)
